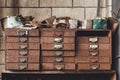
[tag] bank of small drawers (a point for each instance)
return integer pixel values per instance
(22, 49)
(93, 53)
(58, 50)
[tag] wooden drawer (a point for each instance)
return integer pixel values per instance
(58, 66)
(21, 59)
(57, 32)
(58, 40)
(22, 39)
(58, 53)
(21, 32)
(58, 59)
(82, 59)
(22, 52)
(58, 46)
(96, 66)
(86, 40)
(93, 46)
(104, 53)
(22, 46)
(22, 66)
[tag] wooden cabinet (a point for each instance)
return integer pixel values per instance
(84, 54)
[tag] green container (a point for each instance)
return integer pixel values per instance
(99, 24)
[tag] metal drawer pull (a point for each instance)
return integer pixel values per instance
(21, 40)
(58, 46)
(94, 60)
(93, 53)
(23, 53)
(23, 60)
(94, 66)
(23, 67)
(94, 46)
(23, 46)
(22, 32)
(58, 40)
(58, 53)
(59, 60)
(59, 68)
(93, 40)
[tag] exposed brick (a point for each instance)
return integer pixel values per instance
(22, 3)
(91, 13)
(77, 13)
(2, 3)
(56, 3)
(38, 13)
(8, 12)
(85, 3)
(2, 57)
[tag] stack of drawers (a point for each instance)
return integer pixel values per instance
(93, 51)
(22, 49)
(58, 49)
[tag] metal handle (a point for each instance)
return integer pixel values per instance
(94, 66)
(58, 40)
(93, 60)
(22, 60)
(59, 68)
(59, 60)
(95, 53)
(93, 46)
(58, 46)
(23, 66)
(22, 40)
(22, 32)
(23, 53)
(22, 46)
(93, 40)
(58, 53)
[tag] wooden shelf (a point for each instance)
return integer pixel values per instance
(60, 72)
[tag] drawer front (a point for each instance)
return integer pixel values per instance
(58, 40)
(58, 67)
(93, 59)
(93, 53)
(58, 46)
(96, 66)
(21, 32)
(22, 39)
(22, 59)
(22, 46)
(57, 33)
(22, 52)
(58, 53)
(22, 66)
(58, 59)
(86, 40)
(93, 46)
